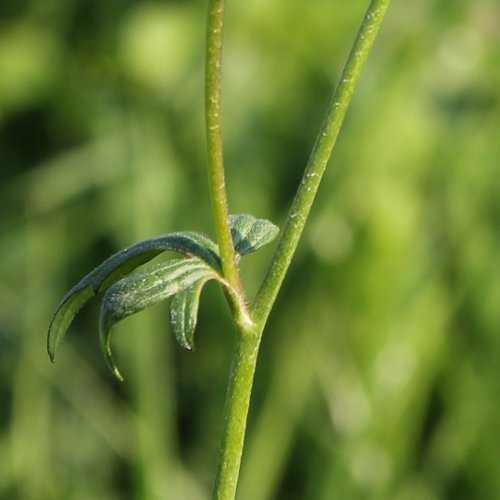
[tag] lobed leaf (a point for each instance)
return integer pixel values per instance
(119, 265)
(145, 288)
(250, 234)
(183, 278)
(184, 313)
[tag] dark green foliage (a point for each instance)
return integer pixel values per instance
(119, 265)
(127, 295)
(184, 312)
(145, 288)
(249, 234)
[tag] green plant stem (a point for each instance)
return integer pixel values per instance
(247, 342)
(216, 179)
(235, 415)
(248, 339)
(317, 163)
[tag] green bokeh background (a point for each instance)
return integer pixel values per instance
(379, 375)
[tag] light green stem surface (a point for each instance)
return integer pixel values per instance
(249, 334)
(235, 415)
(215, 153)
(318, 160)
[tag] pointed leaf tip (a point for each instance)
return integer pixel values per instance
(108, 356)
(71, 303)
(145, 288)
(117, 266)
(184, 313)
(249, 233)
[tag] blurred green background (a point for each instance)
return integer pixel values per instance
(379, 375)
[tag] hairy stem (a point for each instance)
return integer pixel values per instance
(235, 414)
(245, 355)
(249, 334)
(216, 179)
(317, 162)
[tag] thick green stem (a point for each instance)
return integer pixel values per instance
(317, 162)
(216, 179)
(235, 415)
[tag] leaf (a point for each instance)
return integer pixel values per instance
(184, 313)
(250, 234)
(145, 288)
(119, 265)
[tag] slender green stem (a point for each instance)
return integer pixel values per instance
(317, 162)
(216, 179)
(247, 342)
(236, 411)
(248, 339)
